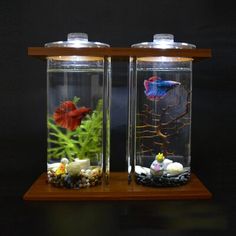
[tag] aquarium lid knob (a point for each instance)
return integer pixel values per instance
(77, 37)
(163, 38)
(77, 40)
(164, 41)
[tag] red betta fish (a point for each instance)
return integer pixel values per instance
(69, 116)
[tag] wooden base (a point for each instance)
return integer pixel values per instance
(118, 189)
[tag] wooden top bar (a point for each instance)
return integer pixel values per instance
(44, 52)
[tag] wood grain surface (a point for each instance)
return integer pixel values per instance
(118, 190)
(43, 52)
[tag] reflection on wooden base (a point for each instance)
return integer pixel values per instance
(118, 190)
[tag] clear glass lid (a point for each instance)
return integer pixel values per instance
(77, 40)
(164, 41)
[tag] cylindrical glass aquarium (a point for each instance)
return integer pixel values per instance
(159, 124)
(78, 99)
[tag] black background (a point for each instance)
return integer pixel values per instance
(208, 24)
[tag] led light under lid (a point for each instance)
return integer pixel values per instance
(75, 58)
(164, 59)
(164, 41)
(76, 40)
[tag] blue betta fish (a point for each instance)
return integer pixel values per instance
(156, 88)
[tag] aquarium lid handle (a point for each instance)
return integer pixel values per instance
(77, 37)
(163, 38)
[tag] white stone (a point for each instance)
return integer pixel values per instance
(166, 162)
(53, 166)
(138, 170)
(88, 171)
(95, 171)
(147, 170)
(142, 170)
(175, 168)
(73, 168)
(84, 163)
(64, 160)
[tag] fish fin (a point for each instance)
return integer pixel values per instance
(68, 116)
(67, 105)
(160, 92)
(73, 125)
(82, 111)
(146, 85)
(74, 113)
(168, 84)
(153, 98)
(154, 78)
(155, 93)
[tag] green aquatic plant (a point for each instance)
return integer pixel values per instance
(89, 134)
(84, 142)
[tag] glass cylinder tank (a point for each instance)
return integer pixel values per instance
(159, 126)
(78, 99)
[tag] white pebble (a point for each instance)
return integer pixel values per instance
(138, 170)
(142, 170)
(73, 168)
(147, 170)
(84, 163)
(175, 168)
(166, 162)
(64, 160)
(53, 166)
(95, 171)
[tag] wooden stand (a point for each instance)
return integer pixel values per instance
(118, 190)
